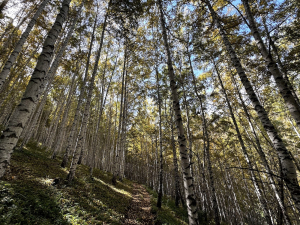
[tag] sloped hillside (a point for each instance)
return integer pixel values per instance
(29, 195)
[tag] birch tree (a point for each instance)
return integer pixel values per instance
(32, 93)
(13, 57)
(185, 162)
(289, 171)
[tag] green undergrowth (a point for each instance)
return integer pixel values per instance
(168, 213)
(27, 196)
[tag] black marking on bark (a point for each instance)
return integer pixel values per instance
(28, 98)
(19, 125)
(13, 135)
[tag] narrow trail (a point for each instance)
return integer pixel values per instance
(139, 211)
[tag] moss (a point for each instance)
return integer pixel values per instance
(27, 196)
(168, 213)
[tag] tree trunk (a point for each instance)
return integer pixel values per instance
(176, 172)
(62, 128)
(116, 172)
(286, 93)
(34, 89)
(70, 141)
(206, 148)
(11, 60)
(264, 160)
(186, 166)
(86, 115)
(289, 171)
(245, 153)
(160, 179)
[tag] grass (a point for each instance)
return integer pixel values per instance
(27, 196)
(168, 213)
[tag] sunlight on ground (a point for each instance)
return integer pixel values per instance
(44, 181)
(121, 191)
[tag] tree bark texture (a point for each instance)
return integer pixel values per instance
(281, 83)
(289, 171)
(185, 162)
(34, 89)
(13, 57)
(86, 115)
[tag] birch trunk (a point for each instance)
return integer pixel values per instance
(123, 136)
(289, 171)
(34, 89)
(206, 147)
(280, 64)
(116, 171)
(264, 161)
(62, 128)
(12, 58)
(245, 153)
(286, 93)
(86, 115)
(176, 172)
(160, 184)
(189, 133)
(70, 141)
(185, 162)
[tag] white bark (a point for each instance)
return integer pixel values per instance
(13, 57)
(185, 162)
(160, 179)
(34, 89)
(86, 115)
(286, 93)
(289, 171)
(247, 158)
(70, 141)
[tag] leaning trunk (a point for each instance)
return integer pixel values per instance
(86, 115)
(289, 171)
(12, 58)
(247, 158)
(286, 93)
(33, 91)
(185, 162)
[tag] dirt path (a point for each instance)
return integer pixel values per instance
(139, 211)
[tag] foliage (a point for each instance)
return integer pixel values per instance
(27, 196)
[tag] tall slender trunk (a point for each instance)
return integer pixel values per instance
(12, 58)
(245, 153)
(116, 172)
(160, 179)
(286, 93)
(124, 131)
(86, 115)
(62, 128)
(103, 103)
(206, 146)
(34, 89)
(289, 171)
(70, 141)
(185, 162)
(263, 159)
(189, 133)
(280, 64)
(176, 172)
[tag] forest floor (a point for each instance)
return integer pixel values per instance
(28, 196)
(139, 210)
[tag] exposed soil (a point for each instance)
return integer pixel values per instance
(139, 211)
